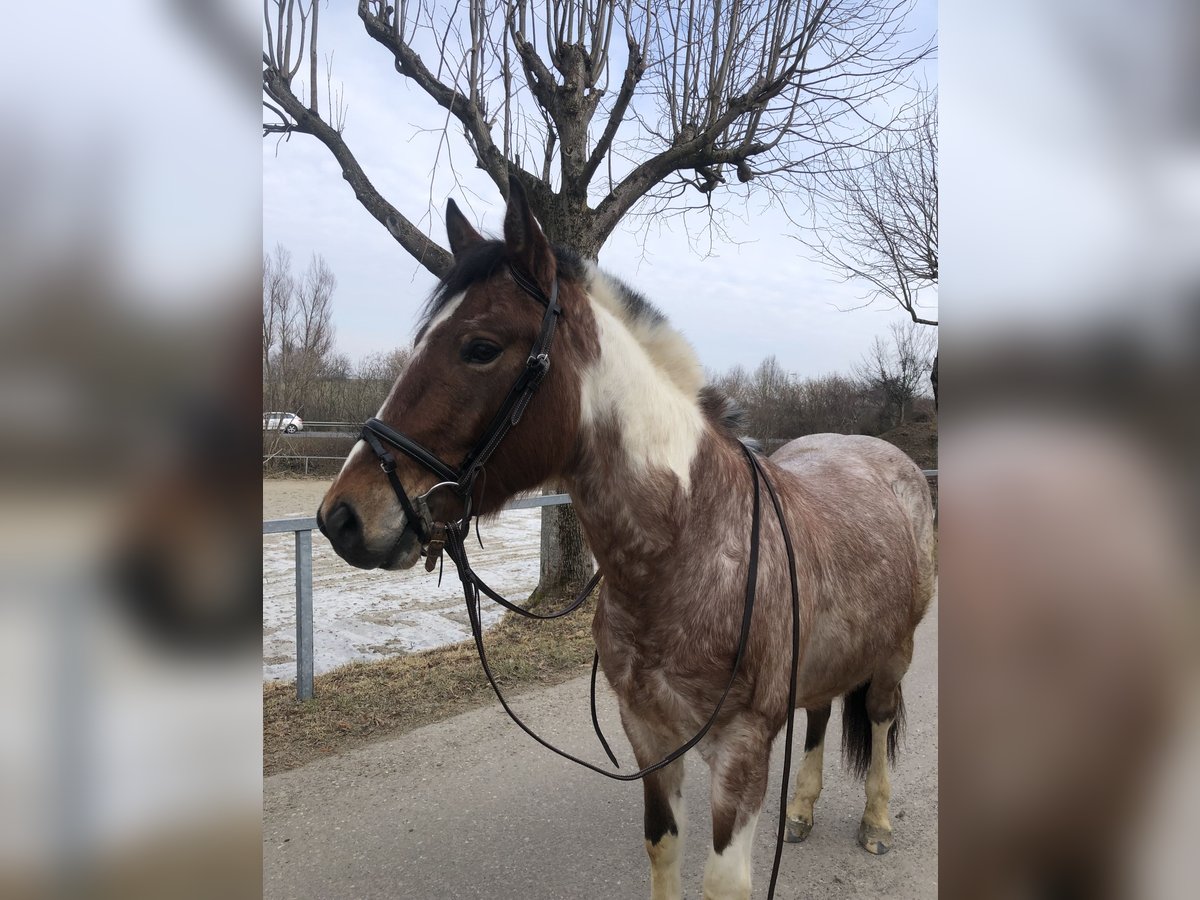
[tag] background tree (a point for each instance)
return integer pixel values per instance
(834, 403)
(877, 219)
(349, 393)
(297, 338)
(896, 371)
(278, 317)
(600, 107)
(778, 406)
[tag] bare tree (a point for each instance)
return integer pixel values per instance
(778, 406)
(877, 219)
(734, 384)
(345, 392)
(772, 411)
(600, 107)
(384, 367)
(310, 354)
(297, 329)
(897, 371)
(682, 101)
(279, 288)
(834, 403)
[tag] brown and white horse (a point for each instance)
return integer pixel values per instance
(663, 491)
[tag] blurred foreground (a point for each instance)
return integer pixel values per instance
(1070, 350)
(129, 396)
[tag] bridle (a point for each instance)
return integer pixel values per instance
(462, 479)
(450, 536)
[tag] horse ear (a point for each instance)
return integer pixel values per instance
(459, 230)
(523, 237)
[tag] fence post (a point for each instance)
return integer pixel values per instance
(304, 615)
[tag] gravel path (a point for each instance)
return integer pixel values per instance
(471, 808)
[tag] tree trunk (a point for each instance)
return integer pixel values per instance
(566, 561)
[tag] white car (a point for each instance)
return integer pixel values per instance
(282, 421)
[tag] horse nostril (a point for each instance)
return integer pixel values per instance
(321, 523)
(342, 525)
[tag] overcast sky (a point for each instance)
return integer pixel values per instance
(757, 295)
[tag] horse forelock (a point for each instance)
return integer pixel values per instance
(665, 345)
(477, 264)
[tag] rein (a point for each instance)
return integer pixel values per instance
(451, 536)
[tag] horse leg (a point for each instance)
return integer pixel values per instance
(875, 830)
(884, 706)
(739, 764)
(664, 810)
(808, 777)
(664, 824)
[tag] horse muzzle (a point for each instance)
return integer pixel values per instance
(343, 526)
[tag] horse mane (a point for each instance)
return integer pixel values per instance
(663, 343)
(726, 414)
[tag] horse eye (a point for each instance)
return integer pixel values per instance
(480, 352)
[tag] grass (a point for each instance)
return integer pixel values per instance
(361, 702)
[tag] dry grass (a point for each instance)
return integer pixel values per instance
(361, 702)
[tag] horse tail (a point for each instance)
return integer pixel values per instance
(856, 730)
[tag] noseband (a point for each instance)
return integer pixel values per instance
(462, 479)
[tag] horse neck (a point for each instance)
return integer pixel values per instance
(643, 444)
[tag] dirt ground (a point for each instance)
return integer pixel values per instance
(919, 440)
(472, 808)
(284, 498)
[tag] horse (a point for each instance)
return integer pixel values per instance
(653, 462)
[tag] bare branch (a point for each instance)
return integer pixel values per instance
(409, 64)
(877, 220)
(303, 120)
(755, 95)
(312, 59)
(635, 68)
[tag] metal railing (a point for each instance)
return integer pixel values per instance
(275, 457)
(348, 427)
(303, 529)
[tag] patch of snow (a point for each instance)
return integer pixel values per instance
(365, 615)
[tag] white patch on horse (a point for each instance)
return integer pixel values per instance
(443, 316)
(666, 347)
(727, 874)
(640, 379)
(875, 831)
(666, 857)
(444, 313)
(350, 457)
(808, 791)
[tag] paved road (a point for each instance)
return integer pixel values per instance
(471, 808)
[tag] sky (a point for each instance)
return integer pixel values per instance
(757, 295)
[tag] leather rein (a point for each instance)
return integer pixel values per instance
(450, 537)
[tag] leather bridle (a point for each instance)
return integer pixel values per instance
(450, 536)
(462, 479)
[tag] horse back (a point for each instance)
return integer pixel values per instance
(851, 485)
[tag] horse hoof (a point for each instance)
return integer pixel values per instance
(875, 840)
(797, 830)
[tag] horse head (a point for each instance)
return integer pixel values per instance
(472, 352)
